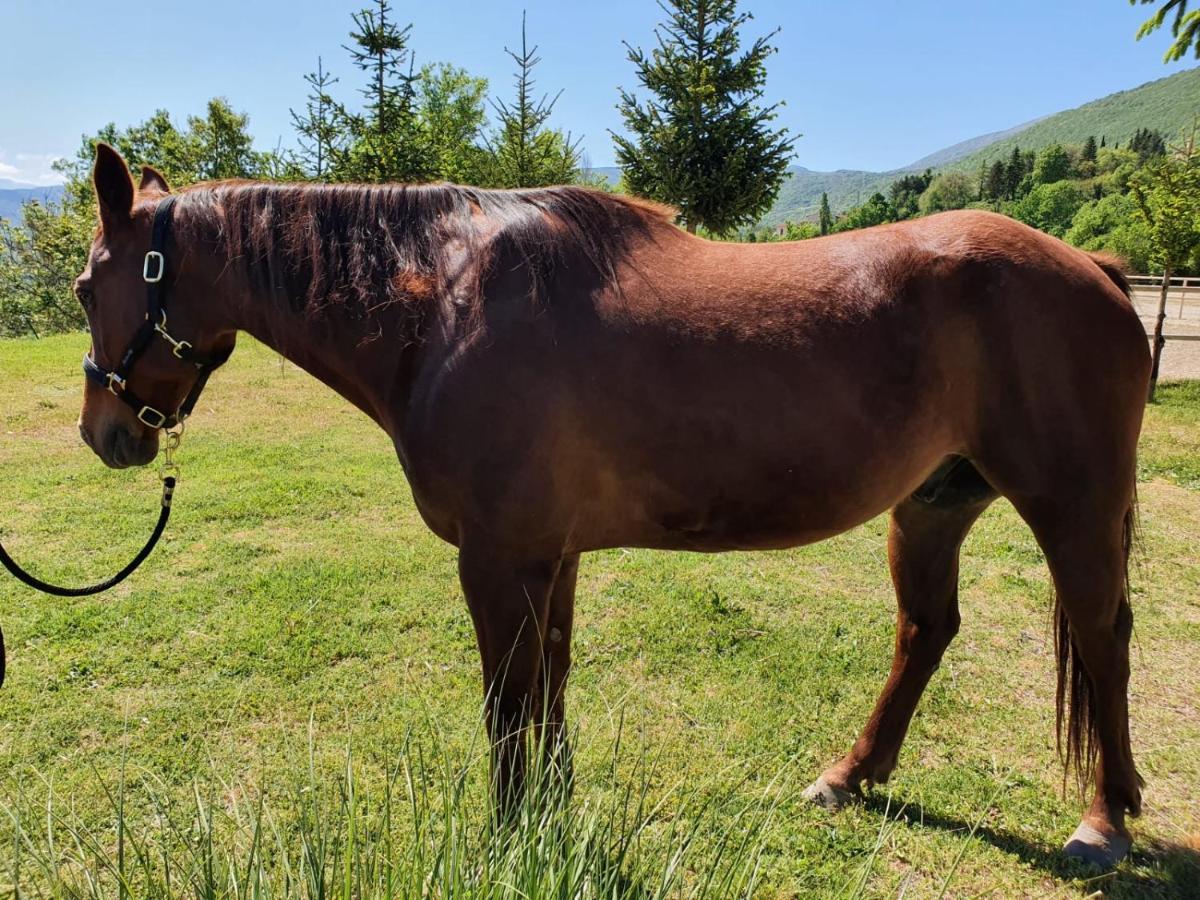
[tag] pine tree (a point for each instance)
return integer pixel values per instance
(317, 129)
(703, 141)
(387, 142)
(997, 181)
(1013, 174)
(826, 217)
(524, 151)
(1089, 149)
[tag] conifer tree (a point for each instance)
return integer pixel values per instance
(826, 216)
(317, 130)
(386, 139)
(1089, 149)
(703, 141)
(524, 151)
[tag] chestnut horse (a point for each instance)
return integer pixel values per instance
(562, 370)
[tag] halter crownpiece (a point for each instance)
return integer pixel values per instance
(116, 381)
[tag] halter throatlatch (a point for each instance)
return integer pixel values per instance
(116, 381)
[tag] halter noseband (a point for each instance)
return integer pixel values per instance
(116, 381)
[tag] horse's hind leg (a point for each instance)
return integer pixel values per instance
(1087, 547)
(926, 533)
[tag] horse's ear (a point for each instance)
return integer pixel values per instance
(152, 180)
(114, 186)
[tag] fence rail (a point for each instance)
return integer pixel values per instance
(1183, 297)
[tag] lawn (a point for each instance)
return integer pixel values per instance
(295, 663)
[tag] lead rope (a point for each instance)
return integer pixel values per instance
(170, 476)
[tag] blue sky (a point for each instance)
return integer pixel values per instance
(870, 85)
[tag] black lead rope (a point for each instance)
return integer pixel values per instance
(45, 587)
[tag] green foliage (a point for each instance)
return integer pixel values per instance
(1112, 225)
(1050, 207)
(825, 217)
(524, 152)
(703, 142)
(40, 259)
(1185, 27)
(1053, 164)
(450, 106)
(875, 211)
(905, 193)
(950, 190)
(1167, 192)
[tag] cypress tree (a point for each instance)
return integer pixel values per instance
(703, 141)
(1089, 149)
(826, 216)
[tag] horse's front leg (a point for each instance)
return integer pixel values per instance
(509, 599)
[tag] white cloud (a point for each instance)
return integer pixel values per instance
(30, 168)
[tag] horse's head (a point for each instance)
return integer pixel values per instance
(141, 369)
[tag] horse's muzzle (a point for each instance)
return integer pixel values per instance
(118, 448)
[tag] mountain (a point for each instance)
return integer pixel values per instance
(11, 198)
(1169, 105)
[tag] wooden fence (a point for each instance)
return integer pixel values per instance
(1183, 301)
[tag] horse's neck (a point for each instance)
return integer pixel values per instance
(361, 367)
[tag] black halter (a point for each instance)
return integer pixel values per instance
(116, 381)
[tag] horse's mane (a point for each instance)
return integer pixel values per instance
(364, 247)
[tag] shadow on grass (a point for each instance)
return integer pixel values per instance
(1155, 868)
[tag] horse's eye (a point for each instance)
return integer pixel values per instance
(84, 295)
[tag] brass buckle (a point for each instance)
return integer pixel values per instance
(115, 381)
(151, 411)
(153, 256)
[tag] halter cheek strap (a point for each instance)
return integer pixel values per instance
(116, 381)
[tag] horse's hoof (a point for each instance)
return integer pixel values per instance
(822, 793)
(1095, 847)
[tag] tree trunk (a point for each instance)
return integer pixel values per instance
(1159, 340)
(690, 226)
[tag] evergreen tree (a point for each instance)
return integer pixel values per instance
(524, 151)
(996, 186)
(317, 128)
(1185, 27)
(1103, 141)
(905, 193)
(1013, 173)
(703, 141)
(1089, 149)
(1148, 144)
(387, 142)
(826, 216)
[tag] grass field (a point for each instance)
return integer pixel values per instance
(289, 690)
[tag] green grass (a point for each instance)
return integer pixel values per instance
(286, 698)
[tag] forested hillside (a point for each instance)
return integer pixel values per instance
(1167, 105)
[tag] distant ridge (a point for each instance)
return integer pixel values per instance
(11, 199)
(1169, 105)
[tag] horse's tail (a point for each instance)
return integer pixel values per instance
(1075, 706)
(1114, 267)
